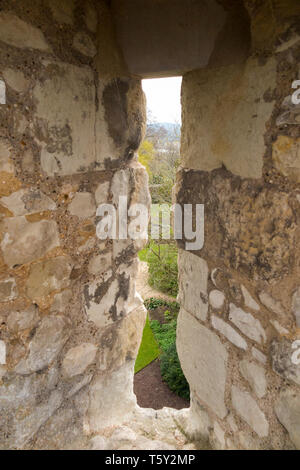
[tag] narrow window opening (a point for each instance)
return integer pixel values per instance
(159, 380)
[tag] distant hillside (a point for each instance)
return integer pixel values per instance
(166, 130)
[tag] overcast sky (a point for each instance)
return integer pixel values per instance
(163, 98)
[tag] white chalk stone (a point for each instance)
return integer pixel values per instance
(249, 301)
(78, 359)
(249, 325)
(258, 355)
(17, 33)
(229, 332)
(82, 205)
(203, 359)
(2, 353)
(271, 304)
(193, 277)
(216, 299)
(248, 409)
(255, 375)
(16, 80)
(2, 92)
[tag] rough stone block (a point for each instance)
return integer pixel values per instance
(8, 290)
(27, 201)
(287, 409)
(229, 332)
(255, 375)
(16, 80)
(249, 325)
(47, 276)
(15, 32)
(83, 205)
(203, 359)
(24, 242)
(248, 409)
(78, 359)
(193, 277)
(50, 337)
(68, 121)
(84, 44)
(23, 320)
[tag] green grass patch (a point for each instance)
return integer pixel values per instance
(149, 349)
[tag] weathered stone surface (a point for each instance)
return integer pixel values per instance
(122, 340)
(49, 338)
(99, 264)
(296, 306)
(249, 325)
(198, 423)
(91, 17)
(2, 92)
(228, 106)
(203, 359)
(61, 301)
(271, 304)
(83, 205)
(249, 410)
(111, 398)
(229, 332)
(249, 301)
(2, 353)
(47, 276)
(23, 320)
(26, 428)
(83, 43)
(16, 80)
(78, 359)
(120, 185)
(218, 438)
(16, 32)
(68, 140)
(193, 276)
(281, 355)
(216, 299)
(24, 242)
(6, 164)
(113, 300)
(258, 355)
(101, 193)
(27, 201)
(63, 12)
(287, 409)
(8, 290)
(281, 330)
(255, 375)
(286, 156)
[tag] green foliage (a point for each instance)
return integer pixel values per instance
(169, 362)
(153, 303)
(146, 155)
(149, 349)
(163, 269)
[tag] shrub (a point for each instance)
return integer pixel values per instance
(169, 362)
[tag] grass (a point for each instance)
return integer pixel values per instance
(149, 349)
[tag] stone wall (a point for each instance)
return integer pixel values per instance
(71, 120)
(239, 295)
(70, 319)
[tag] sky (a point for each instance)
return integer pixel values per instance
(163, 98)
